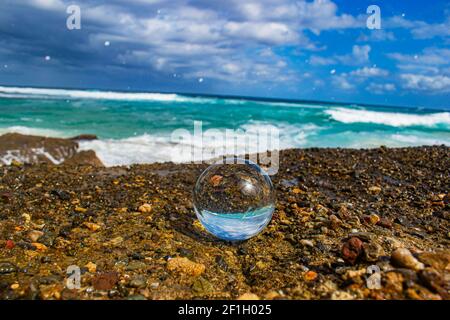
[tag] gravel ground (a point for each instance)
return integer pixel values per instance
(132, 231)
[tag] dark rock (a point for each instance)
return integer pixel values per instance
(137, 256)
(84, 137)
(372, 251)
(185, 253)
(7, 267)
(6, 197)
(63, 195)
(222, 263)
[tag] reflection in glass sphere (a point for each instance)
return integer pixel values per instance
(234, 200)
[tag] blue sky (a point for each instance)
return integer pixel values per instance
(319, 50)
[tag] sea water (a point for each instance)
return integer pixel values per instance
(136, 127)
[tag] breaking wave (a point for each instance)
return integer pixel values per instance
(394, 119)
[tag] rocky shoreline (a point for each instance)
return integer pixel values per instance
(341, 214)
(19, 148)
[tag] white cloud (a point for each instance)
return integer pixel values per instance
(48, 4)
(321, 61)
(437, 83)
(377, 36)
(380, 88)
(272, 33)
(342, 82)
(359, 55)
(421, 29)
(429, 56)
(369, 72)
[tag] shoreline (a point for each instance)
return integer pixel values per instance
(133, 232)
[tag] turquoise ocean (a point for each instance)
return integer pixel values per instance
(137, 127)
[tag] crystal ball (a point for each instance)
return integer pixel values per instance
(234, 199)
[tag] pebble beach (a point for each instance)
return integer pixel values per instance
(341, 215)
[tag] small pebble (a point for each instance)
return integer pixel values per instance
(374, 190)
(138, 281)
(154, 285)
(186, 266)
(310, 276)
(9, 244)
(248, 296)
(39, 246)
(404, 258)
(145, 208)
(92, 226)
(92, 267)
(352, 249)
(34, 235)
(307, 243)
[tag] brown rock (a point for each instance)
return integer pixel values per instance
(105, 281)
(35, 149)
(385, 223)
(185, 266)
(87, 157)
(352, 249)
(215, 180)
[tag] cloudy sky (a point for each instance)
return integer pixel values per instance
(320, 49)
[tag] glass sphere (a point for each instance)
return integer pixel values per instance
(234, 200)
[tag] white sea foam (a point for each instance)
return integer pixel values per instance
(395, 119)
(149, 148)
(32, 155)
(84, 94)
(35, 131)
(413, 140)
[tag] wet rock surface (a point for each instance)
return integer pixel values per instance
(133, 232)
(19, 149)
